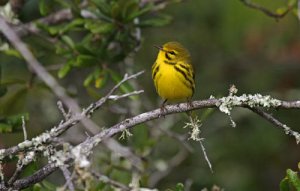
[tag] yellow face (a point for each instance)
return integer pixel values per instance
(174, 52)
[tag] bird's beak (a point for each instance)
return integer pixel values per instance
(159, 47)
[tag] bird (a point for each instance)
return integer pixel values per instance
(173, 73)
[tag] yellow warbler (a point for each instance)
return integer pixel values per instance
(173, 73)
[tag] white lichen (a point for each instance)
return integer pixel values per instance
(2, 151)
(80, 157)
(25, 144)
(226, 104)
(194, 124)
(29, 157)
(59, 158)
(125, 134)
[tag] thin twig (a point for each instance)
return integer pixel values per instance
(68, 177)
(205, 156)
(126, 124)
(73, 120)
(100, 102)
(62, 110)
(298, 10)
(108, 180)
(141, 118)
(276, 122)
(117, 97)
(35, 66)
(267, 11)
(24, 128)
(17, 173)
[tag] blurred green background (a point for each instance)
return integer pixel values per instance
(230, 44)
(233, 44)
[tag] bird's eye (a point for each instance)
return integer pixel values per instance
(172, 52)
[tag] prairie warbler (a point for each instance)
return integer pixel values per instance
(173, 73)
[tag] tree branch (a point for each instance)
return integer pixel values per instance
(90, 143)
(266, 11)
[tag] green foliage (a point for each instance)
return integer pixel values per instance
(229, 43)
(3, 88)
(291, 182)
(12, 123)
(179, 187)
(103, 39)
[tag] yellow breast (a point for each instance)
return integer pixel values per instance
(171, 85)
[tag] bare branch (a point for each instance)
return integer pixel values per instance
(90, 143)
(68, 177)
(276, 122)
(24, 128)
(117, 97)
(107, 180)
(34, 65)
(267, 11)
(62, 110)
(65, 125)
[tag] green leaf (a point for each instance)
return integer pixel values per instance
(99, 81)
(291, 182)
(179, 187)
(293, 178)
(83, 49)
(281, 10)
(88, 80)
(12, 123)
(5, 128)
(12, 52)
(129, 7)
(116, 10)
(65, 4)
(72, 25)
(98, 76)
(156, 22)
(141, 12)
(3, 90)
(68, 41)
(103, 7)
(98, 26)
(48, 185)
(16, 120)
(85, 61)
(52, 30)
(37, 187)
(63, 71)
(284, 184)
(43, 7)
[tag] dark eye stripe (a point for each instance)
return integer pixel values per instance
(172, 52)
(168, 56)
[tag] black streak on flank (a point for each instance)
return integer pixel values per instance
(184, 75)
(155, 71)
